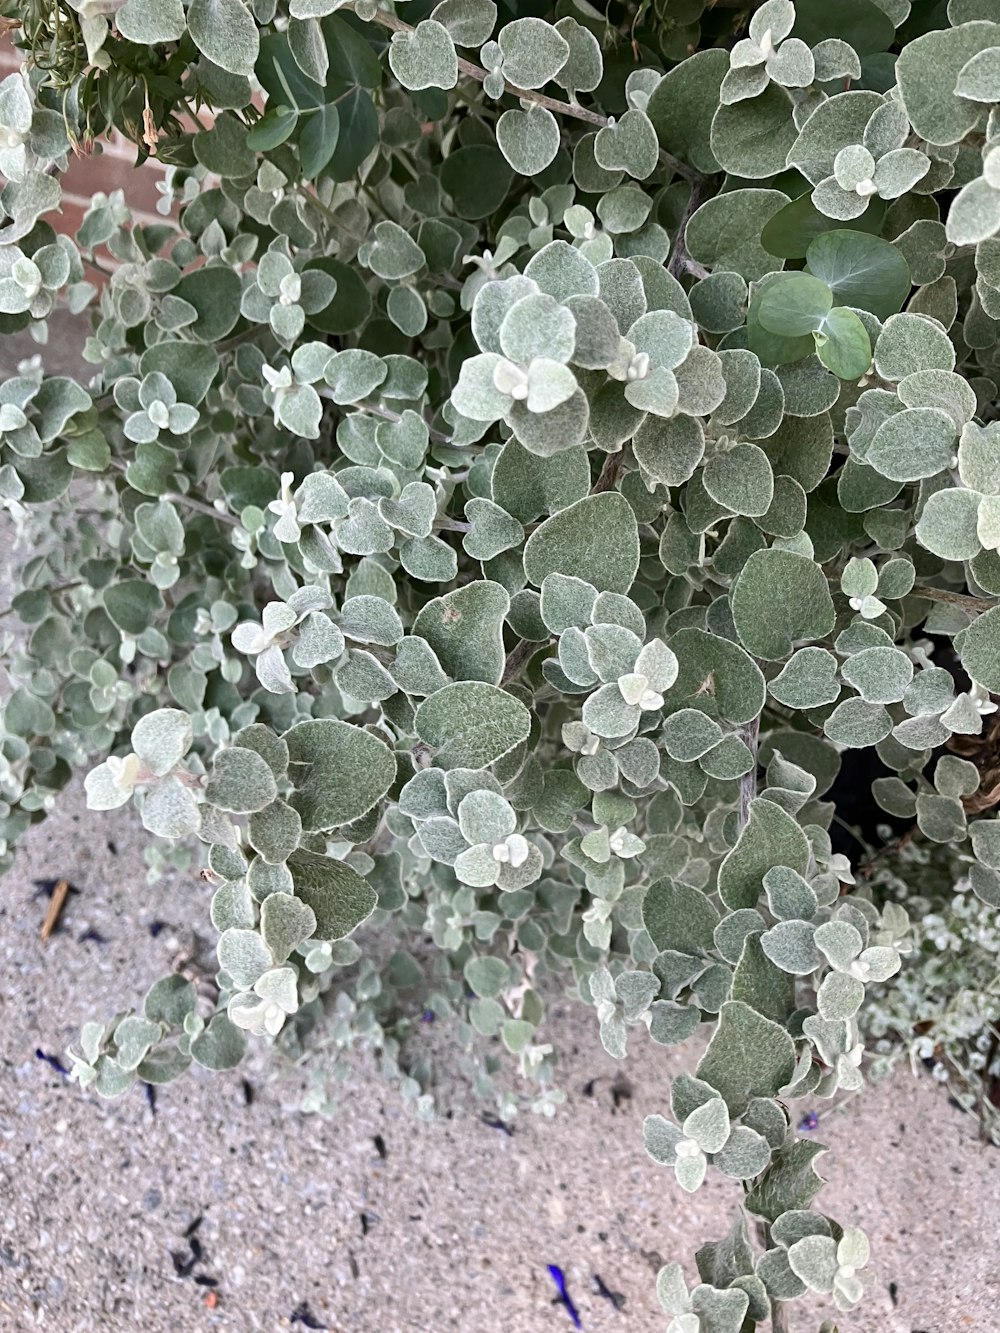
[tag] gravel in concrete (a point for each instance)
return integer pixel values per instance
(453, 1228)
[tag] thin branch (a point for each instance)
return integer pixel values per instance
(867, 868)
(53, 592)
(572, 109)
(385, 413)
(679, 258)
(177, 497)
(516, 659)
(953, 598)
(613, 467)
(748, 783)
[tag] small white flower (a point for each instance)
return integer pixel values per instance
(512, 851)
(287, 528)
(688, 1148)
(865, 188)
(980, 696)
(158, 413)
(638, 367)
(125, 772)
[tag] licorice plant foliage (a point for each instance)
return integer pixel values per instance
(528, 452)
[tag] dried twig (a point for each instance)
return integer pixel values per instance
(56, 904)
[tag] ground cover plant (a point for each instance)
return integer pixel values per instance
(535, 448)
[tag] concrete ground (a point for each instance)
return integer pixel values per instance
(453, 1229)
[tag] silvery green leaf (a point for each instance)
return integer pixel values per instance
(537, 326)
(789, 896)
(148, 22)
(299, 410)
(285, 923)
(469, 22)
(393, 254)
(855, 723)
(340, 772)
(225, 32)
(241, 781)
(790, 946)
(244, 956)
(690, 1170)
(911, 342)
(753, 138)
(948, 526)
(364, 531)
(614, 1035)
(413, 512)
(814, 1260)
(978, 79)
(485, 817)
(671, 1289)
(565, 601)
(417, 670)
(978, 650)
(471, 724)
(133, 1037)
(741, 480)
(465, 630)
(635, 991)
(493, 530)
(169, 809)
(898, 171)
(369, 619)
(770, 838)
(658, 664)
(708, 1125)
(913, 444)
(628, 144)
(670, 1024)
(928, 71)
(840, 942)
(476, 395)
(272, 671)
(275, 831)
(340, 899)
(975, 213)
(744, 1155)
(353, 373)
(749, 1056)
(689, 733)
(835, 59)
(656, 392)
(562, 271)
(548, 384)
(807, 680)
(104, 789)
(319, 640)
(533, 52)
(607, 714)
(425, 57)
(880, 675)
(774, 17)
(528, 139)
(595, 540)
(584, 67)
(779, 598)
